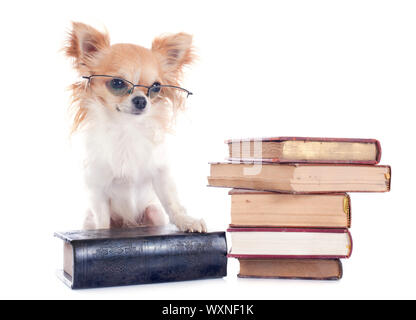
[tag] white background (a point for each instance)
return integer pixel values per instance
(266, 68)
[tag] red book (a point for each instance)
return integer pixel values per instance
(305, 150)
(266, 243)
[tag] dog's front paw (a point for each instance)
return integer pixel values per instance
(189, 224)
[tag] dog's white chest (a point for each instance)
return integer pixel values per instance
(130, 155)
(122, 155)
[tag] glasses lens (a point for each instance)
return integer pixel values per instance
(119, 87)
(154, 90)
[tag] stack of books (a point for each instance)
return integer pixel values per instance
(290, 211)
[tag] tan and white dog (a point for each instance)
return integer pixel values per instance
(123, 109)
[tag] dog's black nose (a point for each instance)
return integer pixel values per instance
(139, 102)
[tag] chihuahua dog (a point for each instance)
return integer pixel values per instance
(124, 106)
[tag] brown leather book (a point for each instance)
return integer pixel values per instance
(250, 208)
(302, 149)
(301, 178)
(308, 269)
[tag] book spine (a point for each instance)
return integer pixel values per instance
(388, 177)
(351, 244)
(347, 209)
(105, 263)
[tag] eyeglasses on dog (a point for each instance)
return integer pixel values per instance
(121, 87)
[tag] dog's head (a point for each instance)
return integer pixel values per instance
(128, 78)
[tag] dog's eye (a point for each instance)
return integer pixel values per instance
(118, 87)
(117, 84)
(156, 87)
(154, 90)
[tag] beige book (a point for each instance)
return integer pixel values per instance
(312, 243)
(302, 149)
(301, 178)
(270, 209)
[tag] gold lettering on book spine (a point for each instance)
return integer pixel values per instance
(388, 179)
(387, 175)
(347, 210)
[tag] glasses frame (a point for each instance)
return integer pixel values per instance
(188, 93)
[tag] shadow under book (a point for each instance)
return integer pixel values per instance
(116, 257)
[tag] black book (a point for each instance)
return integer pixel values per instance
(116, 257)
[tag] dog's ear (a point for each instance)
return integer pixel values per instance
(174, 52)
(85, 44)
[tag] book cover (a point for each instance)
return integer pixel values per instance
(116, 257)
(305, 150)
